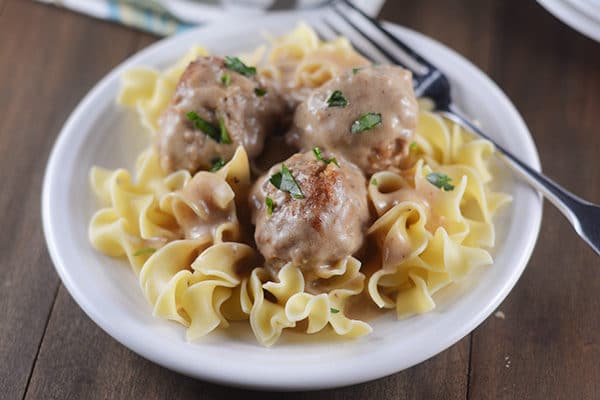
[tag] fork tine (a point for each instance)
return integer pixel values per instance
(409, 51)
(389, 56)
(323, 36)
(331, 34)
(359, 48)
(326, 36)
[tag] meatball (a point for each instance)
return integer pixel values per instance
(249, 107)
(319, 226)
(331, 117)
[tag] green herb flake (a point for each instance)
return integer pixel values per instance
(235, 64)
(319, 156)
(270, 205)
(374, 182)
(260, 92)
(226, 79)
(337, 99)
(206, 127)
(141, 252)
(224, 137)
(442, 181)
(217, 163)
(413, 146)
(356, 70)
(334, 310)
(364, 123)
(285, 182)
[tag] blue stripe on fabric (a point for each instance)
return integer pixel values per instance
(161, 24)
(182, 27)
(113, 11)
(149, 18)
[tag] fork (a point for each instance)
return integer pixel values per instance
(430, 82)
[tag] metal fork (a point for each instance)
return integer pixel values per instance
(430, 82)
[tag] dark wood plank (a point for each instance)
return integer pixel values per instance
(550, 332)
(465, 26)
(145, 40)
(549, 344)
(78, 360)
(47, 65)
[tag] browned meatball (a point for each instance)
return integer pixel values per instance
(384, 90)
(323, 226)
(216, 94)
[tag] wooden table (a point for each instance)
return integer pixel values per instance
(547, 346)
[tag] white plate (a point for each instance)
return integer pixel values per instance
(100, 133)
(581, 15)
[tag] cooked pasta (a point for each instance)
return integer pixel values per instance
(186, 233)
(300, 61)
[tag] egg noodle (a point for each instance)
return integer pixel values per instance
(422, 244)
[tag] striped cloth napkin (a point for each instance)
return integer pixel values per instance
(167, 17)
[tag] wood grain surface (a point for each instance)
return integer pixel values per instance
(546, 347)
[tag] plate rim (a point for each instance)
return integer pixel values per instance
(573, 17)
(214, 376)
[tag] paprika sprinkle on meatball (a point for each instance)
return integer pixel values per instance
(310, 210)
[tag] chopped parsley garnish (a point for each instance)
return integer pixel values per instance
(217, 164)
(226, 79)
(224, 138)
(374, 182)
(219, 134)
(235, 64)
(356, 70)
(319, 156)
(147, 250)
(260, 92)
(334, 310)
(364, 123)
(413, 146)
(270, 205)
(206, 127)
(337, 99)
(285, 182)
(442, 181)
